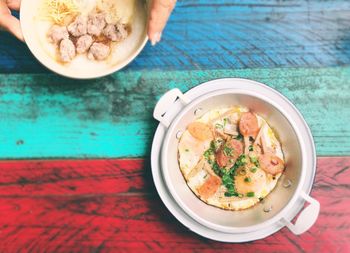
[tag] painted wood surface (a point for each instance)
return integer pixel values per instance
(112, 206)
(222, 34)
(46, 116)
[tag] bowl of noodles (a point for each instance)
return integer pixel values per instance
(84, 38)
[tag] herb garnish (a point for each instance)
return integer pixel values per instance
(227, 176)
(254, 160)
(239, 137)
(228, 151)
(253, 169)
(250, 194)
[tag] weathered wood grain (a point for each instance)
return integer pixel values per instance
(63, 206)
(212, 34)
(46, 116)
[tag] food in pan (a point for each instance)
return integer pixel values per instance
(230, 158)
(86, 28)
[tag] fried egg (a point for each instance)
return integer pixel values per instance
(197, 156)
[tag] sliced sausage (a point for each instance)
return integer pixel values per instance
(210, 186)
(228, 158)
(248, 124)
(221, 158)
(200, 131)
(271, 163)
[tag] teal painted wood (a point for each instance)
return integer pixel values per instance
(224, 34)
(43, 116)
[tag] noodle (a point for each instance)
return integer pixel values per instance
(58, 10)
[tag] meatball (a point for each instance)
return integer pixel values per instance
(122, 31)
(84, 43)
(58, 33)
(98, 51)
(78, 27)
(96, 23)
(67, 50)
(115, 32)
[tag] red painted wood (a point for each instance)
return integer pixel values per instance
(54, 177)
(112, 206)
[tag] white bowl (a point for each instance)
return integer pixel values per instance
(35, 32)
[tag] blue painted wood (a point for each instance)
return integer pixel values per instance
(43, 116)
(223, 34)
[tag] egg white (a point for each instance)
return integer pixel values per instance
(190, 153)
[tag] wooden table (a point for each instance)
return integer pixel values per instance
(75, 173)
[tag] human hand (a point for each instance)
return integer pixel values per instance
(159, 15)
(9, 22)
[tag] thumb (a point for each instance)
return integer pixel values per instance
(160, 12)
(14, 4)
(11, 24)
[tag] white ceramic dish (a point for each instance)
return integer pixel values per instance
(256, 222)
(35, 31)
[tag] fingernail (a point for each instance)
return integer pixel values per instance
(156, 38)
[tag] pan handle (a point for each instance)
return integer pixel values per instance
(164, 104)
(307, 217)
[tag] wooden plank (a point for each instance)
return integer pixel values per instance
(208, 34)
(45, 207)
(46, 116)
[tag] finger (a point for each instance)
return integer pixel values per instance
(4, 9)
(11, 24)
(160, 12)
(14, 4)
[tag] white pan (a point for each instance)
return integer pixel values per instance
(176, 110)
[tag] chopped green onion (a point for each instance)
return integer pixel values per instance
(219, 126)
(251, 148)
(247, 179)
(216, 168)
(253, 169)
(253, 159)
(228, 151)
(239, 137)
(229, 194)
(250, 194)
